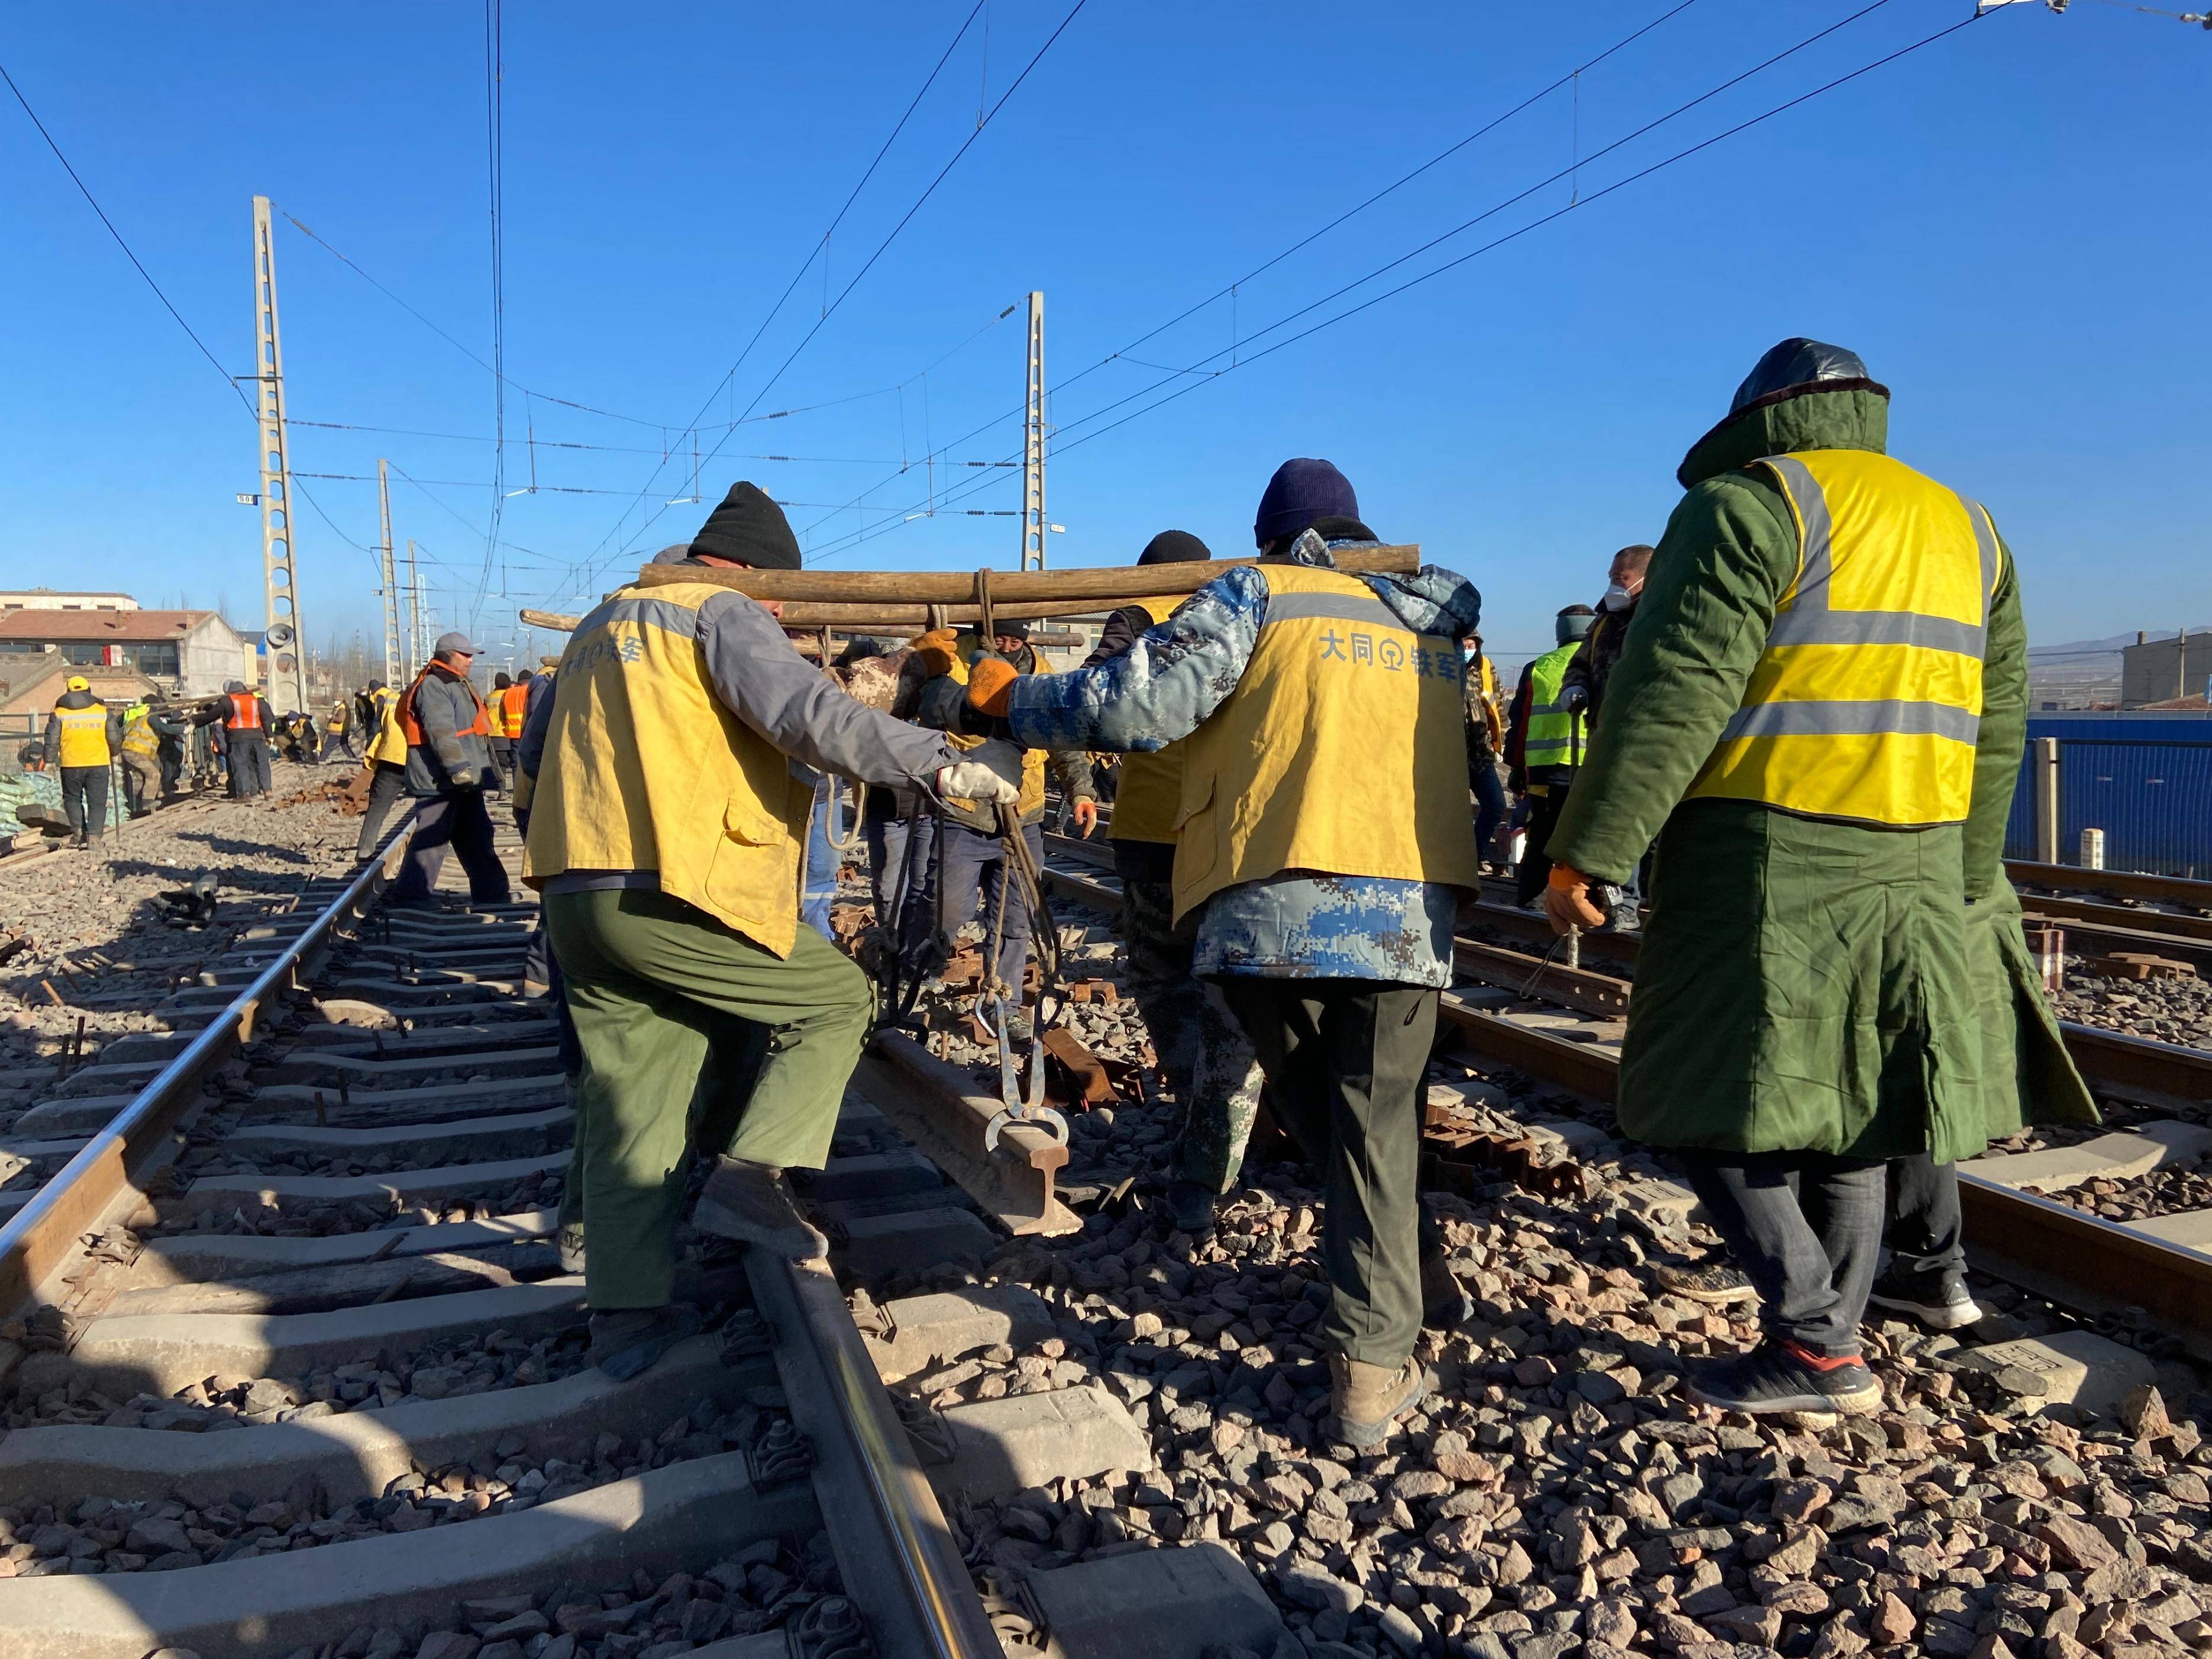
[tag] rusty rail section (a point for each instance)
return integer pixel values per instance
(42, 1236)
(2121, 883)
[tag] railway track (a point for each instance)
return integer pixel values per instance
(294, 1367)
(2037, 1219)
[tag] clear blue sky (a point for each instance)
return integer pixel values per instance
(2008, 225)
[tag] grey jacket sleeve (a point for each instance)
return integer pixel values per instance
(537, 722)
(788, 700)
(53, 739)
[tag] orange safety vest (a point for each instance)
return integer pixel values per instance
(513, 707)
(244, 712)
(478, 727)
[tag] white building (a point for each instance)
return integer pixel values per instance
(47, 598)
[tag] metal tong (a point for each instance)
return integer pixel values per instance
(1014, 1106)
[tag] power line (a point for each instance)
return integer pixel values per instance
(136, 265)
(830, 310)
(1403, 180)
(1240, 361)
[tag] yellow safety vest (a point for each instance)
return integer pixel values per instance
(139, 737)
(84, 735)
(646, 769)
(1558, 736)
(1031, 798)
(1866, 704)
(390, 744)
(1340, 751)
(1150, 786)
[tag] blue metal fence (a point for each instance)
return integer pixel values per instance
(2145, 779)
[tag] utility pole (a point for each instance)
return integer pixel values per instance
(1033, 525)
(415, 654)
(280, 587)
(390, 577)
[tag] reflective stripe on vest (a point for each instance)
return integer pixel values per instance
(507, 717)
(1338, 752)
(646, 768)
(1866, 704)
(244, 712)
(139, 737)
(1558, 736)
(83, 736)
(411, 727)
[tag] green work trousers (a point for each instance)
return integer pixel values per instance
(692, 1036)
(1345, 1062)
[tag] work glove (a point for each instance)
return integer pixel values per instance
(975, 780)
(939, 650)
(1086, 816)
(1566, 902)
(1576, 698)
(465, 777)
(991, 687)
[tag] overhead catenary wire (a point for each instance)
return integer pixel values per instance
(136, 263)
(1240, 361)
(1230, 290)
(495, 147)
(906, 218)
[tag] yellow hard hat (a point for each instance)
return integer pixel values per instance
(78, 682)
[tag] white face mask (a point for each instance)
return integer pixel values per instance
(1617, 598)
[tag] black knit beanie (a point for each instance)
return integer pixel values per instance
(1175, 547)
(751, 529)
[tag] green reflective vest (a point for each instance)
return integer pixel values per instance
(1557, 736)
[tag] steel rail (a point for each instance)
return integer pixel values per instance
(40, 1236)
(860, 1448)
(2124, 884)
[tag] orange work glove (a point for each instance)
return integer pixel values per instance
(939, 650)
(991, 686)
(1566, 902)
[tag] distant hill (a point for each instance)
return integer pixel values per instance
(2077, 673)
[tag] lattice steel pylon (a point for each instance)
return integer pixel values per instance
(280, 585)
(390, 577)
(417, 654)
(1033, 524)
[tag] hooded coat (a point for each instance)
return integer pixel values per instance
(1804, 985)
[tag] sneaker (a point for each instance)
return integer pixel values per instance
(1368, 1399)
(1190, 1208)
(1710, 1283)
(752, 1204)
(1781, 1375)
(630, 1340)
(570, 1244)
(1939, 1300)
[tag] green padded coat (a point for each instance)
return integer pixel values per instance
(1804, 984)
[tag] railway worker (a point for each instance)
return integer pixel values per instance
(386, 758)
(172, 732)
(971, 862)
(140, 753)
(245, 722)
(81, 739)
(1211, 1069)
(1591, 667)
(509, 708)
(1485, 741)
(1323, 851)
(664, 834)
(500, 740)
(337, 729)
(1817, 714)
(1546, 739)
(448, 770)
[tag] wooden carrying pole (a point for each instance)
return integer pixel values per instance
(931, 599)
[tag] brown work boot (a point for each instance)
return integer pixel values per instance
(752, 1204)
(1368, 1399)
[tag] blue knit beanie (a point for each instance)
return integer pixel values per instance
(1302, 491)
